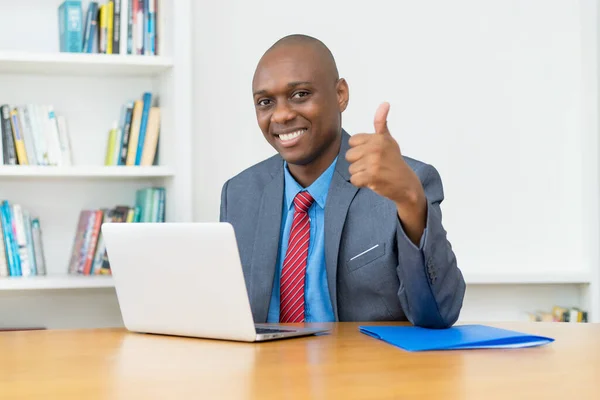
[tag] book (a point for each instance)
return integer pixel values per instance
(150, 144)
(147, 104)
(38, 247)
(70, 23)
(133, 140)
(109, 27)
(10, 152)
(4, 271)
(110, 9)
(34, 134)
(18, 138)
(459, 337)
(21, 248)
(91, 28)
(88, 252)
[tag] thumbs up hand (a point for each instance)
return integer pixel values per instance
(377, 163)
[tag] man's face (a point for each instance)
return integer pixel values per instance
(298, 103)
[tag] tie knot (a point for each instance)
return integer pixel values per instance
(303, 201)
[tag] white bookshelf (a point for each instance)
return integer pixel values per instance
(85, 171)
(83, 64)
(56, 282)
(89, 90)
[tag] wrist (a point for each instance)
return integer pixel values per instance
(411, 201)
(412, 213)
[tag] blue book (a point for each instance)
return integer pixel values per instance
(70, 26)
(459, 337)
(91, 26)
(12, 251)
(147, 98)
(150, 43)
(7, 232)
(29, 235)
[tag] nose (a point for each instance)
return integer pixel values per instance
(282, 114)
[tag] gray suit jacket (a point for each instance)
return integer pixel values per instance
(393, 281)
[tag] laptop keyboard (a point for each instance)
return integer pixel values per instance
(271, 330)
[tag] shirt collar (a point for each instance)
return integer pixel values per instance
(318, 189)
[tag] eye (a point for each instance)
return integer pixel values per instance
(263, 102)
(300, 94)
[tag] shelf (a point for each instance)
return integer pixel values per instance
(117, 172)
(56, 282)
(83, 64)
(527, 278)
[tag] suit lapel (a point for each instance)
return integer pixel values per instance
(340, 195)
(266, 245)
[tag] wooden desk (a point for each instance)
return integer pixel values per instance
(114, 364)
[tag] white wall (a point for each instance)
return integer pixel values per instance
(488, 92)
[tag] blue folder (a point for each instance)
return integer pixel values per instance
(414, 338)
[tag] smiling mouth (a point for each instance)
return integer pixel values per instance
(292, 137)
(286, 137)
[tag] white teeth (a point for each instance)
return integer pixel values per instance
(290, 136)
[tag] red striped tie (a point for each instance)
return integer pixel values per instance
(294, 265)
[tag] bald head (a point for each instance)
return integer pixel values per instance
(310, 48)
(322, 53)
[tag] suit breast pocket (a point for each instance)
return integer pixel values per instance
(366, 256)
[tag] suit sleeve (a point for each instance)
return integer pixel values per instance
(223, 207)
(431, 285)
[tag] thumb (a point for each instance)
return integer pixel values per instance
(381, 119)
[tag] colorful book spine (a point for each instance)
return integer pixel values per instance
(110, 17)
(116, 35)
(4, 270)
(10, 154)
(6, 233)
(10, 240)
(78, 240)
(29, 242)
(126, 133)
(162, 200)
(138, 23)
(102, 29)
(136, 119)
(120, 136)
(27, 133)
(150, 41)
(151, 138)
(131, 5)
(20, 238)
(91, 27)
(70, 19)
(124, 27)
(111, 145)
(40, 259)
(147, 100)
(18, 138)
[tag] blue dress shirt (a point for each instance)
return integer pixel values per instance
(317, 304)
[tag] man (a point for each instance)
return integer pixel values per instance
(334, 227)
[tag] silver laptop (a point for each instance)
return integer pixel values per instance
(184, 279)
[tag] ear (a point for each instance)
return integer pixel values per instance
(343, 94)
